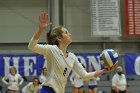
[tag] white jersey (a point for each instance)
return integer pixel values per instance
(119, 81)
(13, 81)
(42, 79)
(58, 66)
(97, 66)
(30, 88)
(76, 80)
(93, 82)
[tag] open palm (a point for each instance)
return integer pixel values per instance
(43, 21)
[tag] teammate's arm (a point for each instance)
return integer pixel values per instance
(4, 80)
(21, 80)
(25, 89)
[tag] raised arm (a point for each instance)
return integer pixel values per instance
(43, 24)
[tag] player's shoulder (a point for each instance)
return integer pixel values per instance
(72, 55)
(41, 76)
(114, 76)
(51, 47)
(30, 83)
(18, 75)
(123, 75)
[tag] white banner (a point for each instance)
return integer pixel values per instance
(105, 18)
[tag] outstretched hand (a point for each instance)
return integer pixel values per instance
(43, 21)
(110, 68)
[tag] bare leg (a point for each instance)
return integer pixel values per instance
(94, 90)
(89, 91)
(81, 90)
(9, 91)
(75, 90)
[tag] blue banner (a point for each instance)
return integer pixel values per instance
(27, 65)
(31, 65)
(89, 60)
(132, 64)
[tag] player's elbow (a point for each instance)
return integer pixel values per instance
(85, 78)
(30, 47)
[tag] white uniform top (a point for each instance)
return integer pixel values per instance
(119, 81)
(13, 81)
(93, 82)
(97, 66)
(58, 66)
(30, 88)
(42, 78)
(76, 80)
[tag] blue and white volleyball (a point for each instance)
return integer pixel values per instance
(108, 58)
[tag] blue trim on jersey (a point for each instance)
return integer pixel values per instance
(80, 87)
(92, 86)
(12, 90)
(46, 89)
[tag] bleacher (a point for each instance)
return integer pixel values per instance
(104, 84)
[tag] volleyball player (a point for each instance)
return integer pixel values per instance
(32, 87)
(59, 61)
(92, 84)
(42, 77)
(77, 82)
(13, 80)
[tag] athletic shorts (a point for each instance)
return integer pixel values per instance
(12, 90)
(80, 87)
(92, 86)
(46, 89)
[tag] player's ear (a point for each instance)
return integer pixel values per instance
(58, 38)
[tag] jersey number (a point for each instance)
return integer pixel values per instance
(65, 71)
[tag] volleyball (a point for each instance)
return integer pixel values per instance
(108, 58)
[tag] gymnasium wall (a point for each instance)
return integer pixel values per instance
(19, 21)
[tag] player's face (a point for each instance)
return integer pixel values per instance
(13, 71)
(119, 70)
(35, 82)
(66, 36)
(45, 72)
